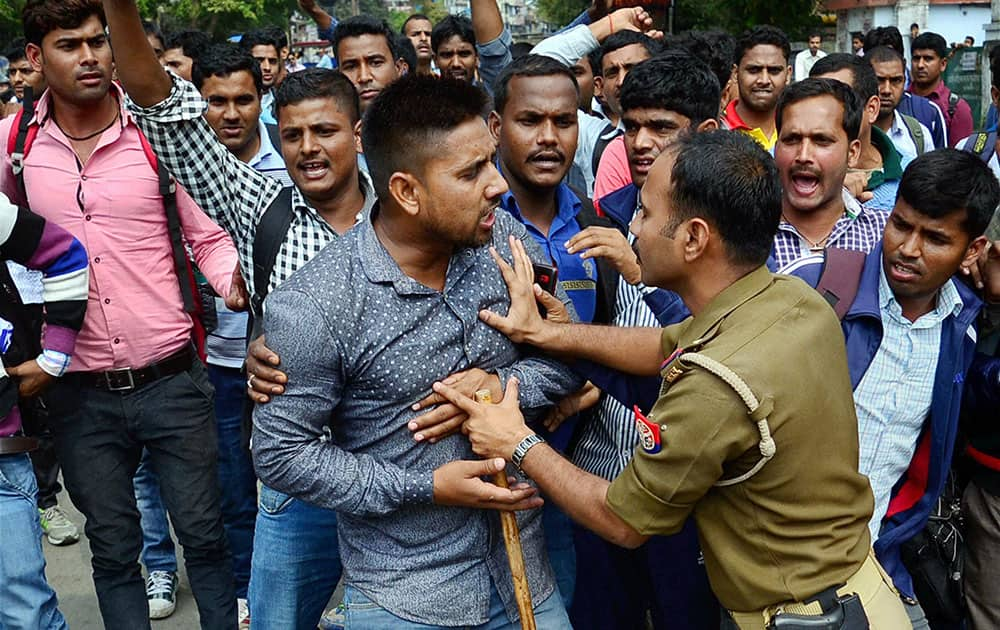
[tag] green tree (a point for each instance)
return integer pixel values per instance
(795, 17)
(10, 20)
(560, 12)
(433, 9)
(219, 17)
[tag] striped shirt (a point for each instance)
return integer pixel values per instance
(859, 229)
(893, 398)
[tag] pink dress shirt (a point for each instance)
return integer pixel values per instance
(612, 171)
(112, 204)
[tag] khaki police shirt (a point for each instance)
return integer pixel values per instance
(800, 525)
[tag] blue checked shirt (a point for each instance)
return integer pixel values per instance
(859, 229)
(893, 398)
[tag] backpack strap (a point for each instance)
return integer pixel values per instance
(22, 136)
(608, 134)
(274, 136)
(982, 144)
(271, 231)
(913, 126)
(841, 277)
(952, 104)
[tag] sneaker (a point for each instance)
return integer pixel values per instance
(242, 613)
(333, 619)
(161, 591)
(58, 529)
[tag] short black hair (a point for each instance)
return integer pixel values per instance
(764, 35)
(364, 25)
(191, 42)
(152, 29)
(884, 36)
(15, 50)
(409, 117)
(41, 17)
(858, 35)
(715, 48)
(883, 54)
(621, 39)
(279, 35)
(318, 83)
(811, 88)
(814, 34)
(260, 37)
(410, 18)
(864, 82)
(222, 60)
(521, 49)
(450, 27)
(941, 182)
(675, 81)
(528, 66)
(407, 52)
(930, 41)
(914, 25)
(973, 42)
(732, 182)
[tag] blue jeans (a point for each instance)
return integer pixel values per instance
(237, 480)
(562, 552)
(363, 614)
(296, 563)
(158, 553)
(26, 599)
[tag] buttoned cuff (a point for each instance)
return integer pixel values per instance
(183, 103)
(53, 362)
(418, 487)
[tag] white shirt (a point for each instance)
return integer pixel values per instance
(899, 133)
(804, 62)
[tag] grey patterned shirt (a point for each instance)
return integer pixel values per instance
(361, 342)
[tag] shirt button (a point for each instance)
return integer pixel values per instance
(97, 260)
(84, 178)
(87, 217)
(107, 300)
(117, 340)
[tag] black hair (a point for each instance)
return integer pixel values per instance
(222, 60)
(884, 36)
(811, 88)
(995, 67)
(521, 49)
(764, 35)
(814, 34)
(884, 54)
(914, 25)
(41, 17)
(318, 83)
(715, 48)
(15, 50)
(864, 82)
(941, 182)
(279, 35)
(972, 38)
(594, 57)
(674, 81)
(930, 41)
(260, 37)
(152, 29)
(407, 52)
(729, 180)
(414, 16)
(621, 39)
(192, 43)
(364, 25)
(409, 117)
(450, 27)
(858, 35)
(528, 66)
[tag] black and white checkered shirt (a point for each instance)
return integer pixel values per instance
(232, 193)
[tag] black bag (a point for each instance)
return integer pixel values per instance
(935, 558)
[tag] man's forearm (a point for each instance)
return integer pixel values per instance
(486, 20)
(631, 350)
(142, 76)
(578, 493)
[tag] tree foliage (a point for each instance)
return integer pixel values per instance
(218, 17)
(10, 20)
(559, 12)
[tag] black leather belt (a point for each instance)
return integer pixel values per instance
(127, 379)
(17, 444)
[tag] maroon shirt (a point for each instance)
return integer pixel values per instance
(960, 123)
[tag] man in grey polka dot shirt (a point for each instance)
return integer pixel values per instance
(363, 330)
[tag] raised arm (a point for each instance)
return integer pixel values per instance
(142, 76)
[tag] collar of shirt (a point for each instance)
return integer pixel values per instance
(735, 123)
(892, 161)
(949, 302)
(702, 326)
(567, 207)
(299, 203)
(43, 114)
(852, 210)
(939, 94)
(267, 154)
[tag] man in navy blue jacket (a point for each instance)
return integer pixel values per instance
(911, 338)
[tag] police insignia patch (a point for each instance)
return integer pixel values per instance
(649, 432)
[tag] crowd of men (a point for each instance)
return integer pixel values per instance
(739, 312)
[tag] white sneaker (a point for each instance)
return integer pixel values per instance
(242, 613)
(161, 591)
(58, 529)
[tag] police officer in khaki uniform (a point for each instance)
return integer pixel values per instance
(754, 432)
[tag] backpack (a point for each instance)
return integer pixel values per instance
(608, 134)
(22, 135)
(982, 144)
(913, 126)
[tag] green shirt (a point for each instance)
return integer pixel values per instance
(799, 525)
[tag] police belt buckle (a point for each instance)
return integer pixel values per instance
(839, 613)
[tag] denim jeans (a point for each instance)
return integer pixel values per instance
(26, 599)
(158, 553)
(561, 549)
(237, 479)
(362, 613)
(100, 437)
(296, 563)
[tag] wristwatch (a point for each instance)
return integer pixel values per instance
(523, 447)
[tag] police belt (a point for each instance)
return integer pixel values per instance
(865, 583)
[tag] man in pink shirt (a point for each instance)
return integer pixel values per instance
(135, 381)
(929, 60)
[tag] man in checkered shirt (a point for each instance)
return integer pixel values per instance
(818, 125)
(296, 564)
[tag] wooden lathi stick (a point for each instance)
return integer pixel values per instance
(512, 541)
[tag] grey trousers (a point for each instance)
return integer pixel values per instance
(982, 564)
